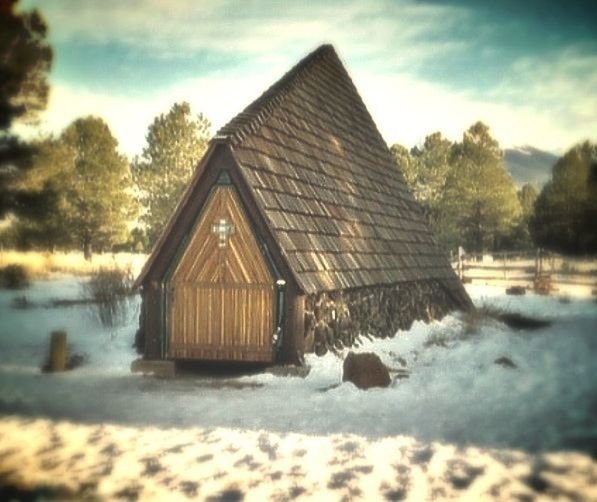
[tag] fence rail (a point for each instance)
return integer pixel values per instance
(564, 274)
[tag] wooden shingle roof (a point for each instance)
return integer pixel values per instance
(328, 185)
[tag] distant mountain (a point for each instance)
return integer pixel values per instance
(529, 165)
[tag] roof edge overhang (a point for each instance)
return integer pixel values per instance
(220, 147)
(157, 247)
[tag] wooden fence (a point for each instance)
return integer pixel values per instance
(565, 274)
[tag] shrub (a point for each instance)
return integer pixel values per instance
(568, 268)
(21, 303)
(110, 289)
(437, 339)
(14, 277)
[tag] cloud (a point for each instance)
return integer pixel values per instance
(559, 91)
(401, 55)
(219, 98)
(250, 28)
(406, 110)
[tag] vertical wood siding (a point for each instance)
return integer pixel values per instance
(221, 299)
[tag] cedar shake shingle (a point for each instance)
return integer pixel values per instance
(328, 184)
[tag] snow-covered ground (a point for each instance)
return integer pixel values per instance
(46, 460)
(454, 394)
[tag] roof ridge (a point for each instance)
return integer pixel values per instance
(257, 112)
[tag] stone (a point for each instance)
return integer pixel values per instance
(506, 362)
(518, 321)
(543, 285)
(320, 342)
(516, 290)
(76, 361)
(159, 368)
(289, 370)
(365, 370)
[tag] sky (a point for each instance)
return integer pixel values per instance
(528, 69)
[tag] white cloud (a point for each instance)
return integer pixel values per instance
(406, 110)
(251, 28)
(218, 98)
(548, 103)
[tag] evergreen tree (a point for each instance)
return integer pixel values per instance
(433, 166)
(480, 194)
(426, 169)
(175, 144)
(566, 208)
(25, 62)
(433, 160)
(98, 201)
(42, 201)
(407, 166)
(520, 235)
(527, 196)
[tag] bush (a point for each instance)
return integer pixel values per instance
(110, 289)
(14, 277)
(437, 339)
(568, 268)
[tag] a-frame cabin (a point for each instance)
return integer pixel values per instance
(297, 232)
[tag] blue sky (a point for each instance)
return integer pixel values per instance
(528, 69)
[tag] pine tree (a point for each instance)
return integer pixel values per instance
(433, 161)
(566, 208)
(25, 62)
(407, 166)
(98, 200)
(521, 238)
(175, 144)
(480, 193)
(42, 197)
(527, 197)
(426, 169)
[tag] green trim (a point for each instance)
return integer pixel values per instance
(180, 249)
(223, 180)
(280, 297)
(163, 319)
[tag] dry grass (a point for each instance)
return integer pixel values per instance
(41, 264)
(14, 277)
(110, 289)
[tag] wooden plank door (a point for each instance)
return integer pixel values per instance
(221, 293)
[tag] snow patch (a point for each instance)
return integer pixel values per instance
(454, 391)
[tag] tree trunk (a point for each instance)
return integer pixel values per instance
(87, 249)
(479, 230)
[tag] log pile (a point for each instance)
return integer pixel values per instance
(334, 320)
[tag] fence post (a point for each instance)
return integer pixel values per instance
(505, 258)
(540, 261)
(460, 265)
(58, 351)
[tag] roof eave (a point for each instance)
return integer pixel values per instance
(157, 247)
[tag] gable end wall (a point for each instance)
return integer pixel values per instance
(149, 338)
